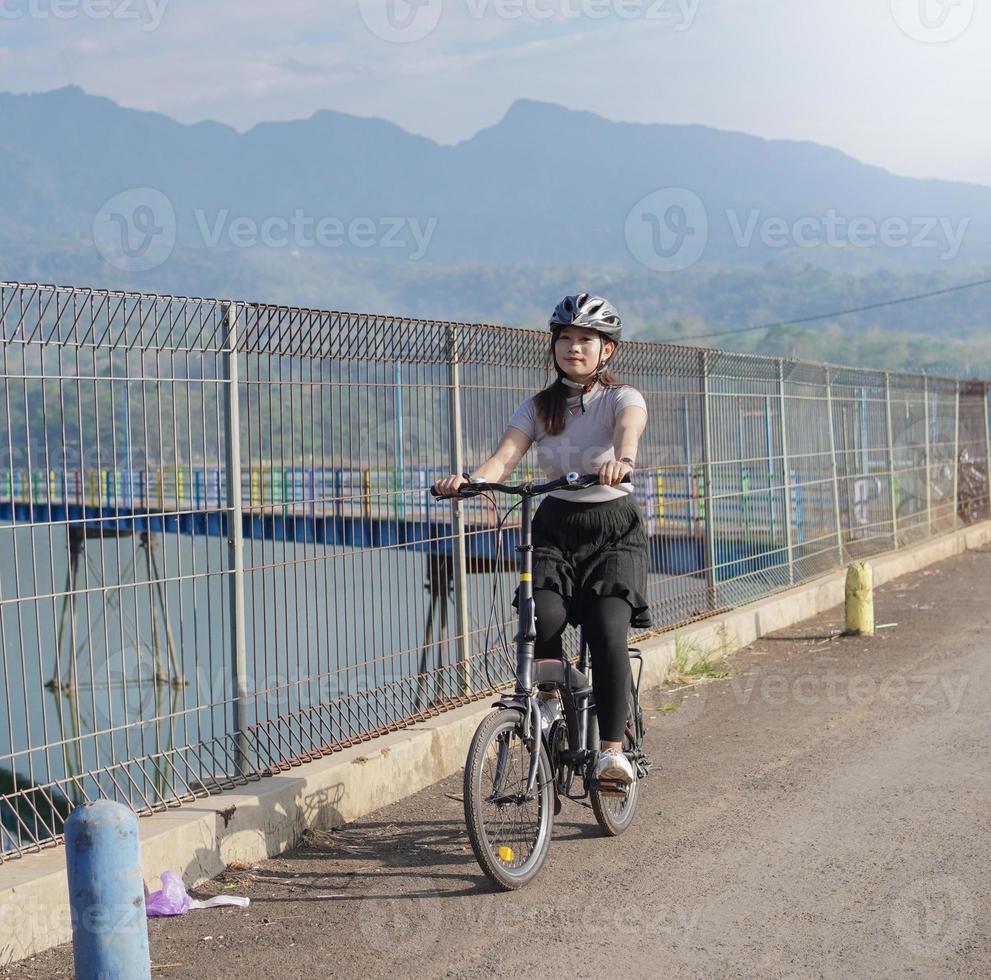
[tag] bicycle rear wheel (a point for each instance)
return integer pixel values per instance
(615, 813)
(509, 834)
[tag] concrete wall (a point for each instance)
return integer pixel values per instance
(199, 840)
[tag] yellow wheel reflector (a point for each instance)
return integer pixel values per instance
(506, 854)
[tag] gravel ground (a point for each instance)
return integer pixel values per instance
(823, 811)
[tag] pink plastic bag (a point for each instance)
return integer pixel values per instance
(171, 899)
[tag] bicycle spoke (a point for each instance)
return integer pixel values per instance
(514, 822)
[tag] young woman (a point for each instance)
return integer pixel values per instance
(589, 546)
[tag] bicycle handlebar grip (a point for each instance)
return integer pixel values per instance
(468, 480)
(593, 478)
(445, 496)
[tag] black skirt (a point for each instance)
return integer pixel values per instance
(586, 549)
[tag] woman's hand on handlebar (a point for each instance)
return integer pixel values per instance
(613, 472)
(449, 485)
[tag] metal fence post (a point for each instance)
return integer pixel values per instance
(835, 466)
(786, 471)
(891, 461)
(987, 438)
(929, 489)
(235, 535)
(956, 455)
(457, 466)
(708, 527)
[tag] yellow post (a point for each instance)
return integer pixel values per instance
(860, 599)
(366, 489)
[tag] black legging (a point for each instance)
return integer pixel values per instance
(606, 621)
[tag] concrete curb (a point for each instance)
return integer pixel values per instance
(199, 840)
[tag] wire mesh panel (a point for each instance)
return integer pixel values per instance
(498, 368)
(863, 459)
(750, 497)
(911, 447)
(943, 401)
(219, 557)
(670, 482)
(344, 423)
(113, 585)
(812, 483)
(973, 501)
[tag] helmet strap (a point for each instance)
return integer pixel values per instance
(583, 389)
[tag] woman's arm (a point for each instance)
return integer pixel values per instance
(630, 423)
(497, 467)
(506, 458)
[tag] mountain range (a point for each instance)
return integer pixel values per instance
(545, 185)
(689, 230)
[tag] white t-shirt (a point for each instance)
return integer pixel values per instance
(586, 441)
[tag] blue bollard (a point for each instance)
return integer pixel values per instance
(106, 893)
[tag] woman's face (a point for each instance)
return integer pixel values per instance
(577, 351)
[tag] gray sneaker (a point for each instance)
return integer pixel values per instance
(612, 766)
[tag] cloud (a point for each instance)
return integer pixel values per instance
(841, 73)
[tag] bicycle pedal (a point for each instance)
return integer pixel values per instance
(610, 787)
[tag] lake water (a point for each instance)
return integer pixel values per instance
(334, 635)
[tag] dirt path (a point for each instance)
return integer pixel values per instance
(824, 811)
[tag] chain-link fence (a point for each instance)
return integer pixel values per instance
(219, 558)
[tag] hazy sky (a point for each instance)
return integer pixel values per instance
(901, 83)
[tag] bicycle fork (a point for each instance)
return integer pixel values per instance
(531, 721)
(526, 641)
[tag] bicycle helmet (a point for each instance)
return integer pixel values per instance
(584, 310)
(595, 313)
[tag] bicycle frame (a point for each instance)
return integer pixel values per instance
(524, 697)
(575, 702)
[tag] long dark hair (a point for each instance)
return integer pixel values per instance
(552, 402)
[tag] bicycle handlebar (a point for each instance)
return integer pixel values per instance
(570, 481)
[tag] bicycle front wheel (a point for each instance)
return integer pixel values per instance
(509, 833)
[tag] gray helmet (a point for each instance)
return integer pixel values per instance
(593, 312)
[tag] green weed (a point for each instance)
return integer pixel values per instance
(693, 662)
